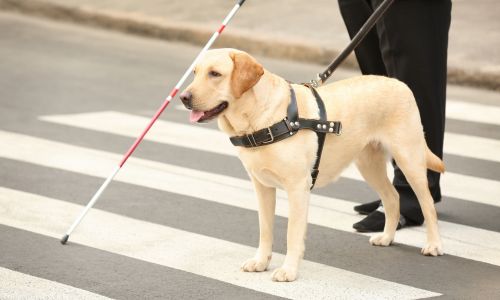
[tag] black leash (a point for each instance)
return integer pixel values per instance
(372, 20)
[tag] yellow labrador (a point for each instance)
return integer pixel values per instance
(379, 117)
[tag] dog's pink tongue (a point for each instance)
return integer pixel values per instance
(195, 116)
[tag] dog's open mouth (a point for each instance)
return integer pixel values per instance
(202, 116)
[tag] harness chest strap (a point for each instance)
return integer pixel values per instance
(289, 126)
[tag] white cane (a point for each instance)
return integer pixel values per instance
(153, 120)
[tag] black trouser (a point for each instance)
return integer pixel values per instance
(409, 43)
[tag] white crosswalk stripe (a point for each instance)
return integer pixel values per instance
(476, 190)
(463, 241)
(474, 112)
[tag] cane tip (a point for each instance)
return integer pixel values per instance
(64, 239)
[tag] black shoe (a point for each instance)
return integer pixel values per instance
(375, 222)
(367, 208)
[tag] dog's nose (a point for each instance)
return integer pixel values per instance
(187, 98)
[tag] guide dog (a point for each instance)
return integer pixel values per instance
(379, 119)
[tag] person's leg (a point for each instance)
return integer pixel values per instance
(355, 13)
(414, 41)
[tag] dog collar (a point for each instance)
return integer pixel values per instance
(290, 125)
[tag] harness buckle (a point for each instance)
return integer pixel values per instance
(288, 124)
(270, 133)
(339, 131)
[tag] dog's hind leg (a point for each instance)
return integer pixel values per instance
(371, 163)
(410, 155)
(267, 203)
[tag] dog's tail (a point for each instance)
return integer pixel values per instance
(434, 163)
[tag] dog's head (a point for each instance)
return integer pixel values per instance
(221, 78)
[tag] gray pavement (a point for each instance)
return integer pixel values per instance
(312, 32)
(51, 68)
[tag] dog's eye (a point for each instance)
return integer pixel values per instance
(214, 74)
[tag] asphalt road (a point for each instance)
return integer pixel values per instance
(180, 218)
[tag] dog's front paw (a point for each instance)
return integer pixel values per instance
(433, 249)
(256, 265)
(284, 274)
(382, 239)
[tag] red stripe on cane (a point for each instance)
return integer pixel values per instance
(174, 92)
(221, 28)
(141, 137)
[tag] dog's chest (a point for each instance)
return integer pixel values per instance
(264, 167)
(280, 164)
(268, 178)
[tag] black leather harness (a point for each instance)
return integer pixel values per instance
(290, 125)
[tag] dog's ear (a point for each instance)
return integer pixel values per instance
(246, 73)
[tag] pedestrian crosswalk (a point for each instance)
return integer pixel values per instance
(214, 257)
(325, 211)
(191, 252)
